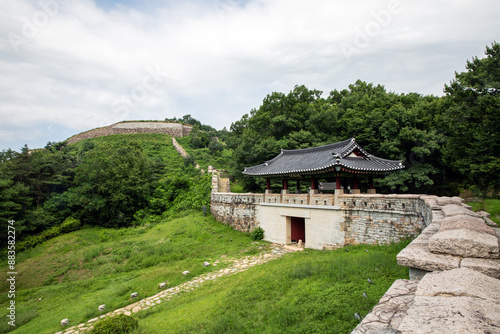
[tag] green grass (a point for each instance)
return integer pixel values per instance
(492, 206)
(71, 275)
(237, 188)
(313, 292)
(204, 158)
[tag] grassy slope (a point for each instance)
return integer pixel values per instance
(491, 206)
(313, 292)
(69, 276)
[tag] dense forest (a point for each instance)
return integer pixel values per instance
(447, 144)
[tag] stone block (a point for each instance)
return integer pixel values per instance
(388, 314)
(465, 243)
(465, 222)
(451, 315)
(443, 200)
(490, 267)
(461, 282)
(421, 258)
(456, 210)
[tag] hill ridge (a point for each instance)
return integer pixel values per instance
(134, 127)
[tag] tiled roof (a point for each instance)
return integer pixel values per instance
(322, 159)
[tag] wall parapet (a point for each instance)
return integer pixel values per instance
(236, 210)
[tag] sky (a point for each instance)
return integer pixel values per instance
(67, 66)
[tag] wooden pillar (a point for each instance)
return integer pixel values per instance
(284, 189)
(337, 182)
(298, 187)
(314, 185)
(355, 189)
(268, 186)
(371, 190)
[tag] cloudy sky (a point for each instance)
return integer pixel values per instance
(67, 66)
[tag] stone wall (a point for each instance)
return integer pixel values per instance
(237, 210)
(368, 219)
(171, 129)
(372, 219)
(454, 284)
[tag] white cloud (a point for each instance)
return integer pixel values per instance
(77, 65)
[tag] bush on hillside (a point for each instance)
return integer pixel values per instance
(257, 234)
(70, 224)
(119, 324)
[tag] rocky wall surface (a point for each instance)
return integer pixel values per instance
(237, 210)
(171, 129)
(372, 219)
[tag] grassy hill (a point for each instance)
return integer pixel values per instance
(69, 276)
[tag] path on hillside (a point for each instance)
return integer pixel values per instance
(272, 252)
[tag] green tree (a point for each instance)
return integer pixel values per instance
(473, 116)
(111, 184)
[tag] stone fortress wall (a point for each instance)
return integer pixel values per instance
(368, 219)
(171, 129)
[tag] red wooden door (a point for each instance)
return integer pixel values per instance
(298, 226)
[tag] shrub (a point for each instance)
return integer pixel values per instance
(70, 224)
(257, 234)
(119, 324)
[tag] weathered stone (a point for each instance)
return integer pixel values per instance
(388, 314)
(465, 243)
(490, 222)
(443, 200)
(65, 322)
(422, 258)
(451, 315)
(490, 267)
(462, 282)
(206, 264)
(456, 210)
(417, 274)
(465, 222)
(102, 308)
(162, 285)
(133, 295)
(186, 272)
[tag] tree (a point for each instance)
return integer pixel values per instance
(111, 184)
(473, 116)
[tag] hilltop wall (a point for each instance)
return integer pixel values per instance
(171, 129)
